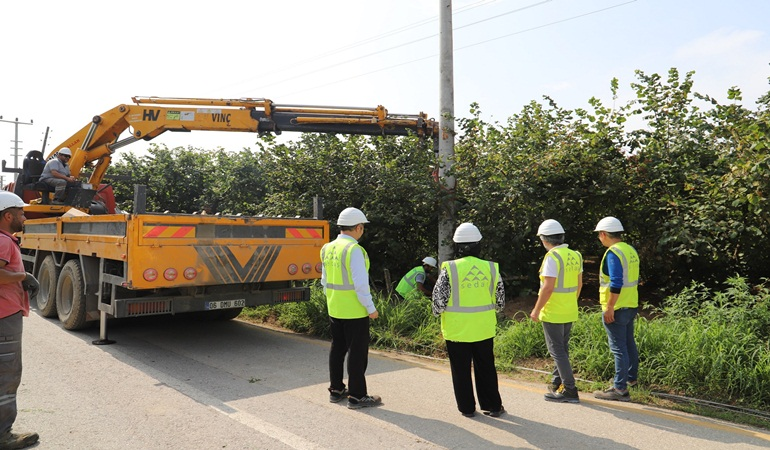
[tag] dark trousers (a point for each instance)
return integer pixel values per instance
(61, 187)
(10, 368)
(351, 337)
(557, 341)
(481, 354)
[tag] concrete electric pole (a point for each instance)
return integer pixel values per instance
(16, 139)
(446, 136)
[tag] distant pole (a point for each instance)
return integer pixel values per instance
(16, 139)
(446, 150)
(318, 207)
(45, 141)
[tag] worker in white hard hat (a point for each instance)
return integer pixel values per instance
(345, 278)
(561, 279)
(420, 279)
(467, 293)
(56, 174)
(16, 288)
(619, 297)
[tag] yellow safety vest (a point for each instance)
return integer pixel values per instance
(470, 313)
(629, 260)
(341, 298)
(408, 283)
(562, 306)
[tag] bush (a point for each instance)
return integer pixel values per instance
(407, 325)
(711, 344)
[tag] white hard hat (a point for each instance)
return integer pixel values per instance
(65, 151)
(465, 233)
(429, 260)
(549, 227)
(609, 224)
(10, 200)
(351, 217)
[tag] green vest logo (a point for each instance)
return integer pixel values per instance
(475, 279)
(573, 263)
(332, 258)
(633, 259)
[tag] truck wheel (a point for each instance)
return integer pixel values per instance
(46, 298)
(70, 296)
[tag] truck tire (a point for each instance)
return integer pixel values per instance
(70, 296)
(47, 277)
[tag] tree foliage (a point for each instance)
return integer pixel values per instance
(687, 175)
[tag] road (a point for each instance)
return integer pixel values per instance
(172, 384)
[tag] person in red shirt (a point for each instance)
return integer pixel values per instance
(14, 303)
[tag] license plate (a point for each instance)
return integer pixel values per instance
(225, 304)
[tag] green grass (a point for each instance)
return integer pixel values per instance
(706, 344)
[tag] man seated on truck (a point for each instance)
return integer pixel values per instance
(56, 174)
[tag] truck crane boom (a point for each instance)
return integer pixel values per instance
(150, 117)
(95, 266)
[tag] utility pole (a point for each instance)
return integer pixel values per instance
(16, 138)
(45, 141)
(446, 150)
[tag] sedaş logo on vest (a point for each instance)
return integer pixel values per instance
(475, 279)
(332, 259)
(573, 263)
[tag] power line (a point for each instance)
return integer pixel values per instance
(547, 24)
(460, 48)
(321, 69)
(401, 45)
(375, 38)
(418, 24)
(501, 15)
(362, 74)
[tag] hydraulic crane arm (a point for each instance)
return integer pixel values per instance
(149, 117)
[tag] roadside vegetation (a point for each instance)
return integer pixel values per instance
(702, 344)
(688, 176)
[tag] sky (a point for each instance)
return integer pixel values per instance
(64, 62)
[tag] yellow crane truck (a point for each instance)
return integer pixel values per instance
(95, 264)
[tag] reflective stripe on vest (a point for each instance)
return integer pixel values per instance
(559, 288)
(604, 280)
(629, 261)
(408, 284)
(470, 312)
(561, 306)
(454, 301)
(347, 278)
(341, 297)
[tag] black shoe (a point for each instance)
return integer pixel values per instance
(470, 414)
(366, 400)
(14, 441)
(496, 413)
(335, 396)
(566, 395)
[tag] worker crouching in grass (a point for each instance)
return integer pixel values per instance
(466, 295)
(418, 281)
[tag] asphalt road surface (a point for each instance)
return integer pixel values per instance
(174, 384)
